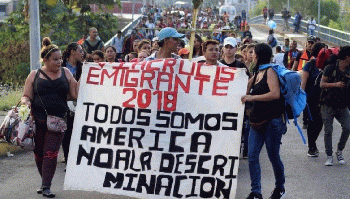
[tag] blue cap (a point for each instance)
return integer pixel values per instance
(169, 32)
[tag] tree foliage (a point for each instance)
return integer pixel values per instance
(59, 21)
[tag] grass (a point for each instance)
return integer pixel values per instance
(11, 99)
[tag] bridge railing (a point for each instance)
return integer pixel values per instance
(125, 30)
(331, 35)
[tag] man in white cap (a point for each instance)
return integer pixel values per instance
(229, 51)
(169, 39)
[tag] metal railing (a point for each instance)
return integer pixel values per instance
(126, 29)
(330, 35)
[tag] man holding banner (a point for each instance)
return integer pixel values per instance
(168, 42)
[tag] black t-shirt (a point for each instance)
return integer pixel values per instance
(339, 97)
(236, 64)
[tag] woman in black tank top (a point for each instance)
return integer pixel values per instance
(267, 110)
(47, 89)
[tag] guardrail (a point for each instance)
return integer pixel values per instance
(125, 30)
(330, 35)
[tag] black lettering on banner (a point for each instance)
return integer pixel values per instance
(178, 162)
(133, 156)
(87, 109)
(233, 160)
(195, 141)
(163, 118)
(192, 164)
(132, 136)
(173, 117)
(160, 185)
(228, 117)
(119, 158)
(120, 110)
(143, 183)
(85, 132)
(201, 160)
(146, 119)
(126, 109)
(172, 145)
(102, 132)
(219, 167)
(170, 160)
(189, 118)
(207, 194)
(117, 180)
(156, 140)
(145, 160)
(131, 177)
(216, 127)
(97, 110)
(177, 186)
(194, 181)
(82, 153)
(101, 152)
(220, 188)
(119, 138)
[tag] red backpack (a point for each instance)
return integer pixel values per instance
(325, 57)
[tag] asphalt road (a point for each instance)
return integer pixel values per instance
(306, 177)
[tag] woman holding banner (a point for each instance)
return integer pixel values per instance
(266, 121)
(46, 91)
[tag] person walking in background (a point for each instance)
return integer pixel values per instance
(45, 91)
(311, 26)
(291, 55)
(73, 58)
(92, 43)
(297, 21)
(271, 13)
(244, 14)
(335, 100)
(266, 122)
(309, 75)
(286, 46)
(118, 42)
(285, 16)
(264, 13)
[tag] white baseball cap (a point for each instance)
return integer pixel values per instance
(230, 41)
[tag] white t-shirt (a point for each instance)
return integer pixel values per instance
(278, 59)
(312, 24)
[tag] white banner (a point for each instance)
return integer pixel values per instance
(158, 129)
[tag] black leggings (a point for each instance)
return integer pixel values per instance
(68, 135)
(47, 145)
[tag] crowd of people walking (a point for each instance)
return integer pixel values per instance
(163, 33)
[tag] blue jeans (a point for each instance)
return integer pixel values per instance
(343, 117)
(272, 137)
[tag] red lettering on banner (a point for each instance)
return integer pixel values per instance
(216, 87)
(170, 100)
(193, 65)
(184, 87)
(227, 71)
(201, 82)
(199, 74)
(161, 79)
(134, 94)
(91, 75)
(149, 64)
(147, 79)
(105, 73)
(134, 81)
(217, 73)
(169, 63)
(141, 64)
(144, 98)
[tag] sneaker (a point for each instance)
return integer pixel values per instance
(278, 193)
(312, 152)
(329, 161)
(340, 157)
(254, 195)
